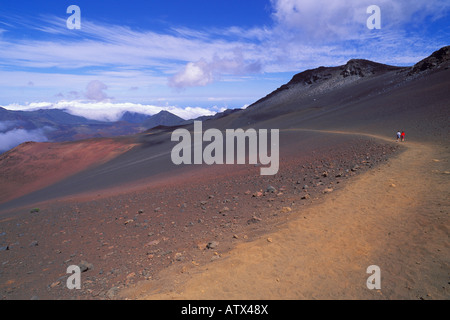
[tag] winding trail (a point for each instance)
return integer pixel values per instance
(395, 216)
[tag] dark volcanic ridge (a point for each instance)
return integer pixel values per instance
(440, 59)
(355, 69)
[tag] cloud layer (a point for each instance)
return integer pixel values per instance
(14, 137)
(110, 111)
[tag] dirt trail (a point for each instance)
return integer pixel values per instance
(394, 216)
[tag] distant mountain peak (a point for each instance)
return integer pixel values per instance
(164, 118)
(164, 112)
(134, 117)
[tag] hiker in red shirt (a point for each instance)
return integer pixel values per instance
(403, 135)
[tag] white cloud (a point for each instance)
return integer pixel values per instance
(13, 138)
(109, 111)
(194, 74)
(202, 73)
(94, 91)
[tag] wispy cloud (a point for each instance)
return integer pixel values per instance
(297, 24)
(302, 34)
(342, 20)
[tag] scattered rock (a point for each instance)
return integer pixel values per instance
(152, 243)
(112, 292)
(85, 266)
(257, 194)
(212, 245)
(215, 256)
(179, 256)
(328, 190)
(253, 220)
(128, 221)
(224, 209)
(286, 209)
(271, 189)
(306, 196)
(34, 243)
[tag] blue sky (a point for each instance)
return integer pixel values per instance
(194, 57)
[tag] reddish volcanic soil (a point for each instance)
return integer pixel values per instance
(32, 166)
(130, 236)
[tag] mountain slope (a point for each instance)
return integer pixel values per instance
(329, 78)
(360, 96)
(365, 96)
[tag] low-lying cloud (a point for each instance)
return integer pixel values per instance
(111, 111)
(7, 125)
(14, 137)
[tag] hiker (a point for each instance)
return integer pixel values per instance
(398, 135)
(403, 136)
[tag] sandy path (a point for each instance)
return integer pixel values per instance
(395, 217)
